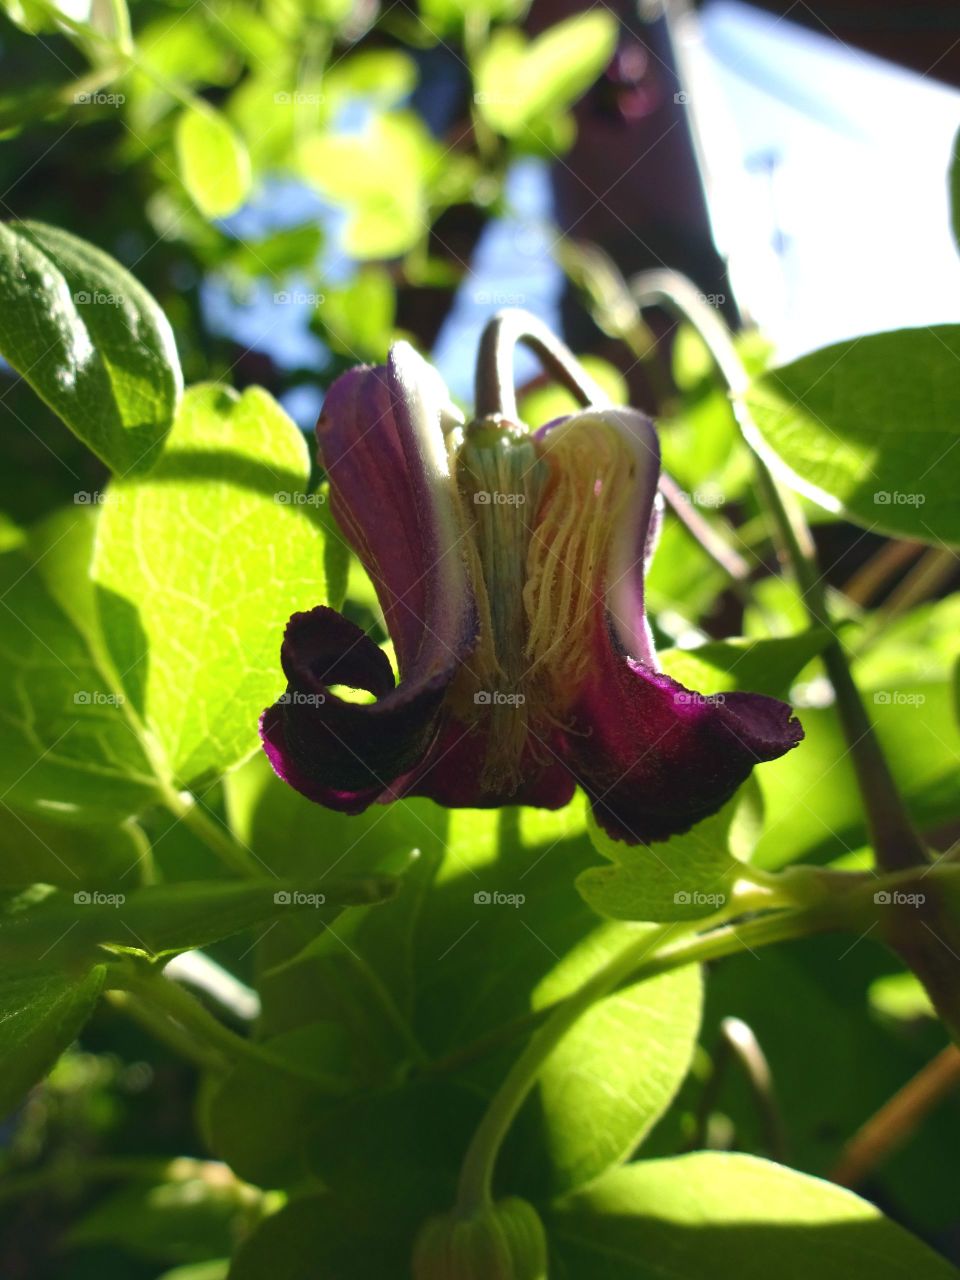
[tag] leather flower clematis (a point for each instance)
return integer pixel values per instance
(509, 566)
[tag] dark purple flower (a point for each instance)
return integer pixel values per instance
(510, 570)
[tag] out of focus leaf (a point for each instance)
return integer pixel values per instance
(382, 176)
(357, 319)
(213, 162)
(519, 81)
(753, 666)
(198, 1211)
(543, 404)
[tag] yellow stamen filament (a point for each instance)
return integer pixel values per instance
(592, 473)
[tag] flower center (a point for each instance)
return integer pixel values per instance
(540, 516)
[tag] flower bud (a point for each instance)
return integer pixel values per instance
(504, 1241)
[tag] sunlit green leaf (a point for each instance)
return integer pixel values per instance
(870, 429)
(69, 746)
(198, 567)
(90, 341)
(731, 1215)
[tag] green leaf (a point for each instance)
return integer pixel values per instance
(755, 666)
(91, 342)
(198, 567)
(358, 319)
(811, 801)
(505, 923)
(383, 77)
(380, 176)
(685, 878)
(316, 1236)
(196, 1213)
(682, 581)
(40, 1014)
(258, 1129)
(217, 1269)
(164, 919)
(443, 16)
(610, 1078)
(35, 849)
(519, 81)
(69, 749)
(869, 428)
(731, 1215)
(214, 164)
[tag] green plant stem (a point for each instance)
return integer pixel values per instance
(172, 1034)
(495, 395)
(634, 964)
(496, 398)
(161, 995)
(895, 843)
(217, 1044)
(476, 1177)
(187, 809)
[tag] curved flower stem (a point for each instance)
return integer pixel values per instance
(188, 810)
(496, 397)
(495, 394)
(895, 842)
(733, 564)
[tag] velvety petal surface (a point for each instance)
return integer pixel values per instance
(451, 771)
(655, 758)
(381, 441)
(337, 752)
